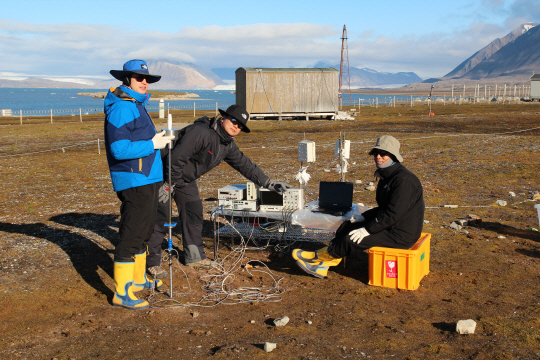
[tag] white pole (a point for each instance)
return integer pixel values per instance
(194, 109)
(452, 92)
(20, 113)
(80, 114)
(98, 147)
(51, 117)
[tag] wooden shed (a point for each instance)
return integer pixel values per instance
(288, 92)
(535, 87)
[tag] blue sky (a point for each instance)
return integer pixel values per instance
(88, 38)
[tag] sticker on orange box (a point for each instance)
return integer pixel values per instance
(391, 269)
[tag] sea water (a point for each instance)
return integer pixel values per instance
(40, 101)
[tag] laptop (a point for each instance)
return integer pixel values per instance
(335, 196)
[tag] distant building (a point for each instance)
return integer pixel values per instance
(535, 87)
(288, 92)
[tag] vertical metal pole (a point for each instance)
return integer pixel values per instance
(194, 109)
(80, 114)
(98, 147)
(20, 114)
(51, 117)
(170, 227)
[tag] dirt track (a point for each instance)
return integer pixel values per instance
(59, 219)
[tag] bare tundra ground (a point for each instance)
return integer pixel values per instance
(59, 222)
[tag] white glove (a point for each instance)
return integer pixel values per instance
(357, 218)
(358, 235)
(160, 140)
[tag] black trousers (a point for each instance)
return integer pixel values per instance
(137, 219)
(190, 211)
(342, 245)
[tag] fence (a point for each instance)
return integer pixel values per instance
(79, 113)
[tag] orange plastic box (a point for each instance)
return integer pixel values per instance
(399, 268)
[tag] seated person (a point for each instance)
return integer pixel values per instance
(395, 223)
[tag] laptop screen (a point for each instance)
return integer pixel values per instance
(335, 195)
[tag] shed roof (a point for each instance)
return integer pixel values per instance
(256, 69)
(535, 77)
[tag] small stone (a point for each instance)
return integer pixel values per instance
(268, 346)
(501, 237)
(252, 321)
(512, 194)
(465, 326)
(501, 202)
(450, 206)
(455, 226)
(473, 219)
(309, 322)
(426, 222)
(326, 170)
(371, 183)
(282, 321)
(464, 232)
(463, 222)
(358, 181)
(370, 188)
(194, 314)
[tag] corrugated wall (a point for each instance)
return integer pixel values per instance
(265, 91)
(535, 88)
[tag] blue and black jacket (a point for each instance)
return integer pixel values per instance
(128, 140)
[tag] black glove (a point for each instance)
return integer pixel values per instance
(163, 195)
(278, 187)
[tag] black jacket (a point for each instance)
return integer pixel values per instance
(401, 205)
(202, 146)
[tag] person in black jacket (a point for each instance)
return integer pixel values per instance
(396, 222)
(201, 147)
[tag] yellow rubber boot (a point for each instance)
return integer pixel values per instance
(317, 265)
(123, 287)
(140, 281)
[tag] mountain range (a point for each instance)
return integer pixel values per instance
(514, 57)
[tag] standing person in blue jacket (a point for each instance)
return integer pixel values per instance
(133, 154)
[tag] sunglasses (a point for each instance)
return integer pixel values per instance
(380, 152)
(237, 123)
(140, 77)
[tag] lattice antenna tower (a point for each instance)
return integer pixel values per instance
(344, 75)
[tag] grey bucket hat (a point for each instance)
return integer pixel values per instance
(390, 144)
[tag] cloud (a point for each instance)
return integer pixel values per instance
(74, 49)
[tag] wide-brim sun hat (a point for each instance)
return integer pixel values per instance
(237, 112)
(390, 144)
(135, 67)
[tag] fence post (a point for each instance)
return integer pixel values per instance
(98, 147)
(194, 109)
(20, 113)
(168, 112)
(51, 117)
(80, 114)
